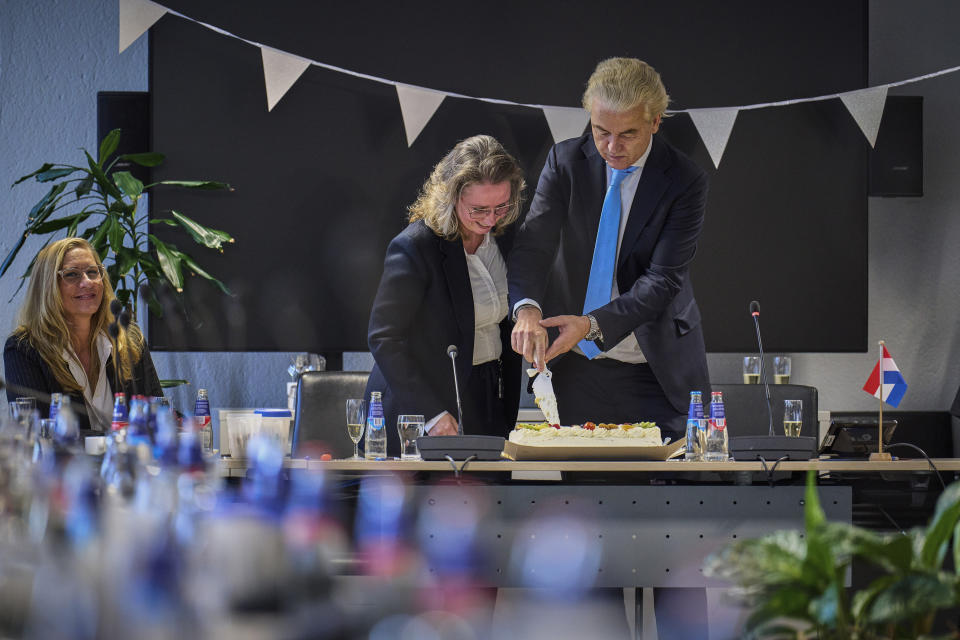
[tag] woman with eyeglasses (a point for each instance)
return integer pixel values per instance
(445, 283)
(62, 344)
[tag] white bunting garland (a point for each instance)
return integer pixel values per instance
(418, 104)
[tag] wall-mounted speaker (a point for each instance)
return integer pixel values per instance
(896, 162)
(128, 111)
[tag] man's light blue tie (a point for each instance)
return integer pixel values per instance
(604, 254)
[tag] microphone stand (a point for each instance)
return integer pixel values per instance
(766, 385)
(452, 352)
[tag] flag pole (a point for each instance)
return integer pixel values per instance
(880, 455)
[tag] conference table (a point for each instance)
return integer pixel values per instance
(652, 522)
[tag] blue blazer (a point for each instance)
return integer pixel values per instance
(424, 304)
(550, 262)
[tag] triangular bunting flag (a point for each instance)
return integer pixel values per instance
(280, 71)
(417, 107)
(136, 16)
(566, 122)
(866, 107)
(714, 126)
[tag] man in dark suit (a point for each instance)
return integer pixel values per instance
(648, 328)
(602, 261)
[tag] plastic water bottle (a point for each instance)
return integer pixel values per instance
(55, 399)
(694, 421)
(201, 416)
(121, 416)
(375, 442)
(717, 430)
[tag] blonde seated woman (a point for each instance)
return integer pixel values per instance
(62, 344)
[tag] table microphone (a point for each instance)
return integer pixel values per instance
(755, 312)
(770, 447)
(459, 447)
(452, 352)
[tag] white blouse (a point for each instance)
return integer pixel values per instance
(488, 281)
(98, 398)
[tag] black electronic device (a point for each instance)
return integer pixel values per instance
(460, 447)
(771, 448)
(855, 438)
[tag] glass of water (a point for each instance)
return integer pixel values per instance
(792, 417)
(356, 414)
(410, 427)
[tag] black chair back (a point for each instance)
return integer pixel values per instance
(321, 409)
(746, 407)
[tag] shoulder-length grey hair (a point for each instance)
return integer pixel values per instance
(476, 160)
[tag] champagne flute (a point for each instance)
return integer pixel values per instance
(356, 413)
(792, 417)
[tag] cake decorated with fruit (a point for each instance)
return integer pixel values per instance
(637, 434)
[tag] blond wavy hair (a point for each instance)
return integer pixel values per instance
(622, 84)
(43, 326)
(476, 160)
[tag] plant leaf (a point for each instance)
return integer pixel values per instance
(116, 236)
(166, 221)
(166, 384)
(128, 184)
(46, 166)
(912, 596)
(43, 208)
(13, 254)
(84, 187)
(197, 184)
(212, 238)
(106, 184)
(126, 259)
(170, 263)
(941, 527)
(59, 223)
(108, 145)
(194, 267)
(149, 159)
(99, 239)
(53, 174)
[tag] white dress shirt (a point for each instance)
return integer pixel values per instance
(488, 281)
(97, 397)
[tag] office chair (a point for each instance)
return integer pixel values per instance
(321, 410)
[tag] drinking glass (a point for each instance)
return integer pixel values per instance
(751, 370)
(792, 417)
(410, 427)
(356, 415)
(781, 370)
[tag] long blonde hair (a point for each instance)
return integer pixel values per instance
(474, 160)
(43, 325)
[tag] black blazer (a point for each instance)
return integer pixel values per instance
(27, 373)
(554, 248)
(424, 304)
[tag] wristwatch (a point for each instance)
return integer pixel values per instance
(594, 333)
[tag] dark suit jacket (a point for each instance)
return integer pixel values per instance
(423, 305)
(28, 374)
(550, 262)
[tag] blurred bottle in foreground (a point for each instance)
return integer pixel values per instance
(375, 442)
(201, 416)
(694, 424)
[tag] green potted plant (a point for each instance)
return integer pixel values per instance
(793, 581)
(101, 204)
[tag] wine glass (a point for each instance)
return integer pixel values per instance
(356, 413)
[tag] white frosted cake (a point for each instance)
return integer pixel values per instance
(641, 434)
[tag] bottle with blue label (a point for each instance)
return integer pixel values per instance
(375, 440)
(716, 450)
(695, 424)
(201, 417)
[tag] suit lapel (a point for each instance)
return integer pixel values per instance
(593, 190)
(458, 284)
(653, 182)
